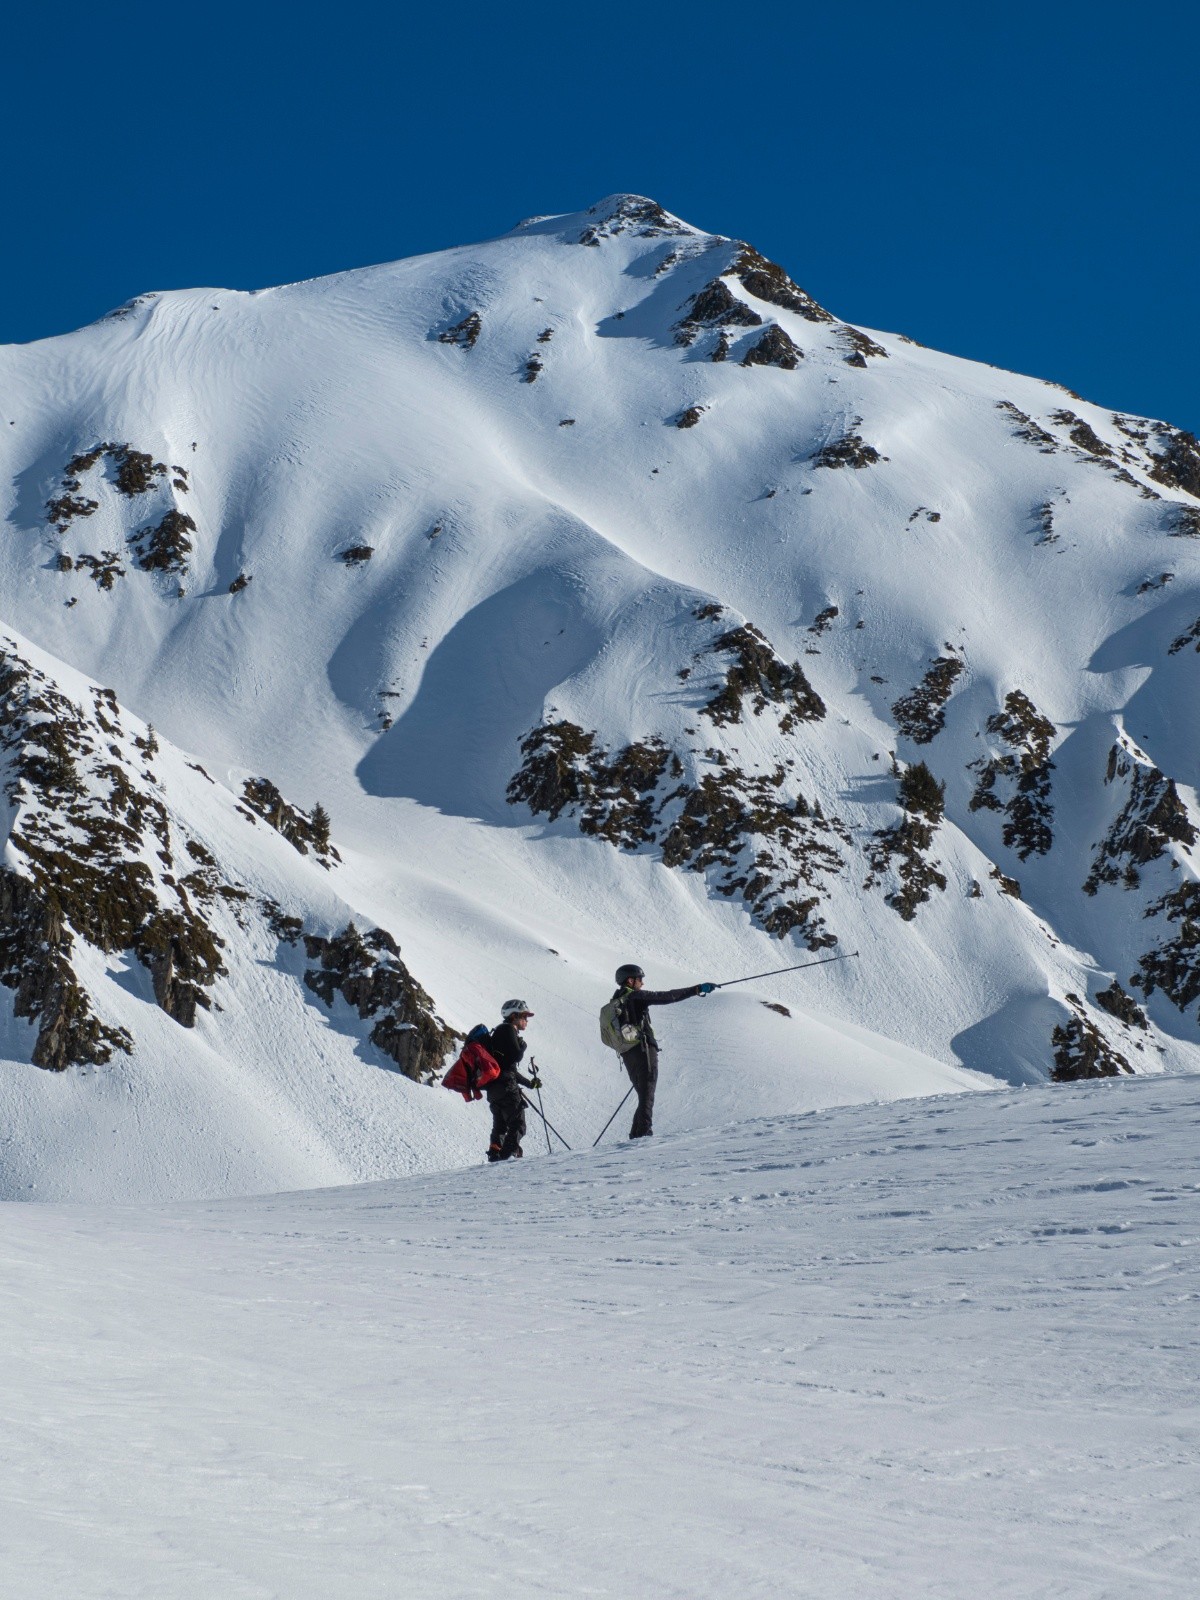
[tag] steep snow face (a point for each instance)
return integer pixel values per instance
(610, 593)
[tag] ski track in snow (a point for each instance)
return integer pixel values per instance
(939, 1348)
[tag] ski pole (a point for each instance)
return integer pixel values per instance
(609, 1123)
(541, 1113)
(546, 1120)
(849, 956)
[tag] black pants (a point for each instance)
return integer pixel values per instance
(508, 1114)
(641, 1063)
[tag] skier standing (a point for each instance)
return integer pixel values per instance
(504, 1093)
(633, 1003)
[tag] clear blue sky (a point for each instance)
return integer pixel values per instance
(1012, 183)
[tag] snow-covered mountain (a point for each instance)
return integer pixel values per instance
(379, 646)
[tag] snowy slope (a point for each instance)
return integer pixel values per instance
(365, 536)
(942, 1349)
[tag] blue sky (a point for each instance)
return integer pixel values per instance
(1014, 184)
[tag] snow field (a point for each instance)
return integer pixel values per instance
(939, 1348)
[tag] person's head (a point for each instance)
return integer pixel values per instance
(516, 1012)
(630, 977)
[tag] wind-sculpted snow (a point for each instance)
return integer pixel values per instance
(370, 540)
(940, 1349)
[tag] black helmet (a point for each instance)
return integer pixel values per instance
(628, 971)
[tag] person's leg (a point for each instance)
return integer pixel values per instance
(499, 1123)
(641, 1063)
(514, 1127)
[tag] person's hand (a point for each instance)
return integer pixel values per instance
(535, 1082)
(707, 988)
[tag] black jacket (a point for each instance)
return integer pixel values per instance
(507, 1045)
(635, 1006)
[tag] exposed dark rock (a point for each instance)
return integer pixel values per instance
(367, 972)
(773, 349)
(767, 281)
(1177, 462)
(301, 829)
(62, 510)
(105, 568)
(1189, 636)
(902, 849)
(1123, 1006)
(1027, 429)
(1082, 1051)
(1082, 434)
(532, 367)
(822, 619)
(629, 212)
(88, 826)
(1022, 774)
(1044, 518)
(464, 333)
(1152, 817)
(1174, 967)
(287, 929)
(848, 451)
(35, 945)
(920, 714)
(690, 417)
(1185, 522)
(863, 346)
(242, 581)
(165, 547)
(717, 305)
(742, 829)
(356, 555)
(1007, 885)
(762, 678)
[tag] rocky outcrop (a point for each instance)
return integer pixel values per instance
(1174, 965)
(464, 333)
(1081, 1050)
(751, 833)
(774, 349)
(757, 678)
(767, 281)
(366, 971)
(303, 830)
(921, 714)
(95, 857)
(1176, 461)
(851, 450)
(1152, 818)
(1017, 782)
(899, 856)
(162, 546)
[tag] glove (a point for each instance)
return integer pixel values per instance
(707, 988)
(535, 1082)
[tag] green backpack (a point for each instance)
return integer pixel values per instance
(617, 1034)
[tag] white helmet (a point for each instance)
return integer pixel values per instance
(515, 1008)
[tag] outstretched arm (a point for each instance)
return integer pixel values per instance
(668, 997)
